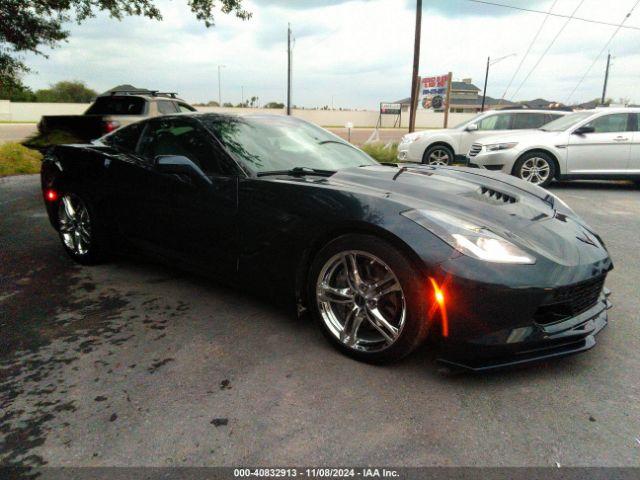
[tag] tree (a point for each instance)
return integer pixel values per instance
(16, 93)
(67, 92)
(274, 105)
(227, 104)
(28, 25)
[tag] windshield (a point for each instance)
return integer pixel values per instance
(272, 143)
(563, 123)
(473, 120)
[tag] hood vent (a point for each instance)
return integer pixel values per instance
(496, 197)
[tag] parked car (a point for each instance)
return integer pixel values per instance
(444, 147)
(592, 144)
(112, 110)
(381, 255)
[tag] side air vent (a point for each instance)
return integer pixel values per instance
(496, 196)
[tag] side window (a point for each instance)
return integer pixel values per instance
(550, 117)
(166, 107)
(617, 122)
(183, 107)
(185, 138)
(125, 138)
(523, 121)
(500, 121)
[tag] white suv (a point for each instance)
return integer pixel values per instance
(443, 147)
(592, 144)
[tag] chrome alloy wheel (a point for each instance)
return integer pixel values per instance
(439, 157)
(361, 301)
(535, 170)
(74, 223)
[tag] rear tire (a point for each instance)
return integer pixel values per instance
(438, 155)
(353, 310)
(81, 232)
(535, 167)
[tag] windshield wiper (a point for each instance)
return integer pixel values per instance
(298, 172)
(324, 142)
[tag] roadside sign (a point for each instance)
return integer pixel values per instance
(390, 108)
(433, 93)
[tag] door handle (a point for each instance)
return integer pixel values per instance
(620, 139)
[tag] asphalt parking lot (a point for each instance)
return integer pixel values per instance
(132, 363)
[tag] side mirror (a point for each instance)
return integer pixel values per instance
(584, 130)
(180, 165)
(472, 127)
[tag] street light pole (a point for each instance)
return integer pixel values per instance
(289, 69)
(486, 78)
(606, 80)
(220, 85)
(486, 75)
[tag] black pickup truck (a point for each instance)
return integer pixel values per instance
(112, 110)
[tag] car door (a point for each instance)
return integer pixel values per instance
(606, 150)
(175, 216)
(634, 153)
(490, 125)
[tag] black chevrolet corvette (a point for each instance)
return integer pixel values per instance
(500, 271)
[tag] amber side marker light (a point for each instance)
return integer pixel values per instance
(51, 195)
(439, 296)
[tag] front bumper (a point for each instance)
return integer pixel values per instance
(501, 160)
(532, 343)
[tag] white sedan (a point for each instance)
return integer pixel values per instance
(443, 147)
(592, 144)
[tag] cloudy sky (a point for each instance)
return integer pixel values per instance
(357, 52)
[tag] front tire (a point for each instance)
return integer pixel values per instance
(80, 230)
(535, 167)
(368, 299)
(438, 155)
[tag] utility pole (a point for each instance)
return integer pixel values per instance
(289, 69)
(220, 85)
(486, 78)
(416, 67)
(242, 95)
(606, 80)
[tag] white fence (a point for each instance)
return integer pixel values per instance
(31, 112)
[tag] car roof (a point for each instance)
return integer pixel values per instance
(610, 110)
(528, 110)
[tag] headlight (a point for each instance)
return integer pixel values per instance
(500, 146)
(470, 239)
(409, 139)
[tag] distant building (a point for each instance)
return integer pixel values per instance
(465, 98)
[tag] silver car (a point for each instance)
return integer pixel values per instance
(445, 146)
(592, 144)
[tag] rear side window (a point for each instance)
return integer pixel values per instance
(523, 121)
(501, 121)
(115, 105)
(166, 107)
(126, 138)
(183, 107)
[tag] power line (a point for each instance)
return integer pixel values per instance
(606, 45)
(547, 49)
(515, 74)
(530, 10)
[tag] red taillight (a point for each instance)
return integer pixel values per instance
(111, 126)
(51, 195)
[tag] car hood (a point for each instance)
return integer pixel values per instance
(521, 136)
(519, 211)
